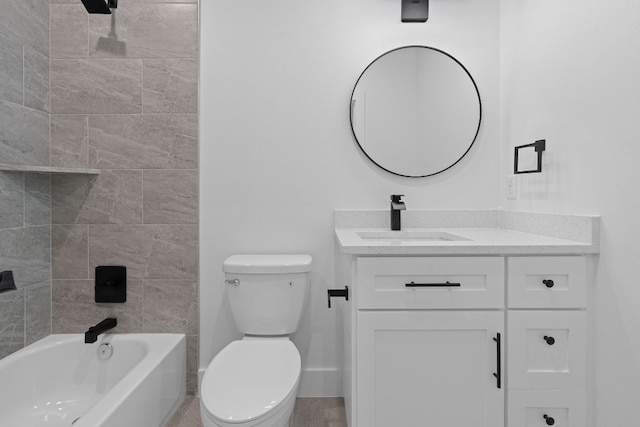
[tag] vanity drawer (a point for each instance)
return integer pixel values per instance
(561, 408)
(547, 350)
(547, 282)
(430, 282)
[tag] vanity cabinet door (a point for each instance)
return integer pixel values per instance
(425, 369)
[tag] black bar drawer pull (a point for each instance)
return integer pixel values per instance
(498, 374)
(432, 285)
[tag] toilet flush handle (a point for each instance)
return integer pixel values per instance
(234, 282)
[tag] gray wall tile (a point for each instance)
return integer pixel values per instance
(36, 80)
(37, 312)
(120, 2)
(174, 253)
(24, 198)
(69, 31)
(148, 251)
(76, 299)
(11, 199)
(192, 364)
(24, 135)
(11, 70)
(170, 306)
(145, 31)
(113, 197)
(27, 252)
(37, 199)
(69, 139)
(81, 86)
(99, 121)
(70, 251)
(170, 196)
(26, 21)
(11, 322)
(143, 142)
(170, 85)
(170, 1)
(120, 245)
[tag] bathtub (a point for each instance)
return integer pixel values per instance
(60, 381)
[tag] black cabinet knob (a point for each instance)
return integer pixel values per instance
(548, 283)
(550, 341)
(550, 421)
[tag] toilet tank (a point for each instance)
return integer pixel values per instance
(267, 292)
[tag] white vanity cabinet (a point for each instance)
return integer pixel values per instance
(465, 341)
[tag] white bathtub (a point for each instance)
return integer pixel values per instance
(59, 381)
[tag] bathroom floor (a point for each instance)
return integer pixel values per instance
(308, 412)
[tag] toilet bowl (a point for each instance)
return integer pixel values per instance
(253, 382)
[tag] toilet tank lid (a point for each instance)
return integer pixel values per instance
(267, 264)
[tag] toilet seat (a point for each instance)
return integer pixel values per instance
(250, 380)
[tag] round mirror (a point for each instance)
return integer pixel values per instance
(415, 111)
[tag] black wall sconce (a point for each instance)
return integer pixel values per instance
(538, 146)
(415, 10)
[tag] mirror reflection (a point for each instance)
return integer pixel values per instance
(415, 111)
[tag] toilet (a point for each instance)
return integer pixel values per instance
(254, 381)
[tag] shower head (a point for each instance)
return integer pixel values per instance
(100, 6)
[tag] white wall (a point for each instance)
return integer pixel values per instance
(571, 74)
(276, 146)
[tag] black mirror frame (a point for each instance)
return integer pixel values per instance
(475, 137)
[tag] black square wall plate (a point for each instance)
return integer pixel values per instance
(111, 283)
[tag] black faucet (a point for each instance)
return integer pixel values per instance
(92, 334)
(397, 205)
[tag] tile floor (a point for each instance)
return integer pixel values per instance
(308, 412)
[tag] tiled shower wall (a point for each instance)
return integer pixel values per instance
(25, 313)
(124, 100)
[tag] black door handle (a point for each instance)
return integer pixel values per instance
(432, 285)
(549, 340)
(550, 421)
(498, 373)
(548, 283)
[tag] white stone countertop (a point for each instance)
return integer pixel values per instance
(479, 241)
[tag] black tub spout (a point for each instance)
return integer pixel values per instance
(91, 335)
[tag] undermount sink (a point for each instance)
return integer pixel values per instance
(410, 236)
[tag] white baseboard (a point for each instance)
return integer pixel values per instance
(320, 382)
(314, 382)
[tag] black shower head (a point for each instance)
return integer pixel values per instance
(100, 6)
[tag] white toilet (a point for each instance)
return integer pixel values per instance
(254, 381)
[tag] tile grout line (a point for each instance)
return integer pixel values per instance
(23, 75)
(24, 200)
(87, 135)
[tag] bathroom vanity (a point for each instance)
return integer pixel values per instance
(482, 325)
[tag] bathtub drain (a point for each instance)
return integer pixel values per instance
(104, 351)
